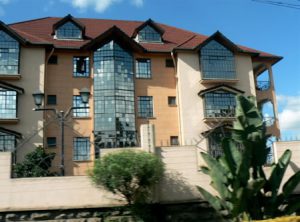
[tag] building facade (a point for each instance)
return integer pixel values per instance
(182, 82)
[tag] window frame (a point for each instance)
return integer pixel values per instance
(224, 62)
(143, 75)
(53, 140)
(81, 110)
(18, 54)
(151, 31)
(221, 113)
(51, 100)
(58, 36)
(4, 140)
(86, 63)
(145, 114)
(76, 152)
(7, 103)
(170, 99)
(171, 140)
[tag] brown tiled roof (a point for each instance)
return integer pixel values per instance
(39, 31)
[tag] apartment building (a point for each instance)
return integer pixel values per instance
(137, 72)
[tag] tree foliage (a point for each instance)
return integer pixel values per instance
(131, 174)
(244, 190)
(35, 164)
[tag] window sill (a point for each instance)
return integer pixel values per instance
(10, 76)
(79, 118)
(9, 121)
(219, 119)
(171, 105)
(212, 81)
(153, 117)
(82, 161)
(142, 78)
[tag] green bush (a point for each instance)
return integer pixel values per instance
(131, 174)
(35, 164)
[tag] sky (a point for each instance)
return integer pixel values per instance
(266, 27)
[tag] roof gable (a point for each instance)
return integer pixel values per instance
(114, 33)
(12, 33)
(152, 24)
(68, 18)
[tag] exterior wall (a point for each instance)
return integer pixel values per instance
(60, 82)
(191, 105)
(32, 71)
(178, 184)
(160, 86)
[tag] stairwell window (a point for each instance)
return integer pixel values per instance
(145, 106)
(9, 54)
(81, 109)
(81, 66)
(217, 62)
(81, 148)
(143, 69)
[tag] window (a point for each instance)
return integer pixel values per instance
(149, 34)
(81, 109)
(51, 99)
(51, 141)
(81, 66)
(9, 54)
(7, 142)
(217, 62)
(219, 103)
(81, 148)
(169, 63)
(145, 106)
(8, 104)
(172, 101)
(52, 60)
(68, 31)
(143, 68)
(174, 140)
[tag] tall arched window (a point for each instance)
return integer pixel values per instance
(217, 62)
(9, 54)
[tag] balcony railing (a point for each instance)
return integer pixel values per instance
(219, 113)
(263, 85)
(268, 121)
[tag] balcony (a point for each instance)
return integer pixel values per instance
(220, 114)
(263, 85)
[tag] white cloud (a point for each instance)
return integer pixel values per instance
(289, 117)
(3, 2)
(99, 5)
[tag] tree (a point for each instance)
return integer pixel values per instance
(130, 174)
(238, 176)
(35, 164)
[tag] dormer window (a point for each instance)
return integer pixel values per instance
(68, 30)
(217, 62)
(9, 54)
(149, 34)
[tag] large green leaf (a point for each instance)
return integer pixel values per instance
(278, 173)
(214, 201)
(293, 206)
(291, 184)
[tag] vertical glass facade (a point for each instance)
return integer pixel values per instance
(114, 111)
(217, 62)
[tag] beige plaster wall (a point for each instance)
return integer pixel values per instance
(192, 106)
(59, 81)
(32, 70)
(160, 87)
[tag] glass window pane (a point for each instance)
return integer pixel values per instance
(81, 148)
(68, 31)
(145, 106)
(7, 142)
(80, 109)
(217, 62)
(9, 54)
(149, 34)
(8, 104)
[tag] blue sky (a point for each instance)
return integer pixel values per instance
(265, 27)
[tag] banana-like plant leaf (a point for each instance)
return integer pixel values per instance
(292, 207)
(291, 184)
(214, 201)
(278, 172)
(205, 170)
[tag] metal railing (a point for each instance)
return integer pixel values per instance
(263, 85)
